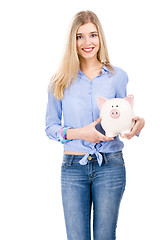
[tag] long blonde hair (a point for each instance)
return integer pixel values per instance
(69, 67)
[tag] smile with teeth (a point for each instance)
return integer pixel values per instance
(87, 49)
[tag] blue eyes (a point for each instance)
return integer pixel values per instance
(79, 37)
(92, 36)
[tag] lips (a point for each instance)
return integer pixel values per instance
(88, 49)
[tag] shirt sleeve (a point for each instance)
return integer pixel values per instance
(54, 129)
(121, 91)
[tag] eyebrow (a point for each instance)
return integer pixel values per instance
(90, 33)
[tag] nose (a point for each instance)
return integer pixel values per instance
(115, 113)
(87, 41)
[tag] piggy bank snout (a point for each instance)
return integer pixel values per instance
(115, 113)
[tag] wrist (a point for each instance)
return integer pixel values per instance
(73, 133)
(63, 135)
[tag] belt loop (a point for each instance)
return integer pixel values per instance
(105, 157)
(71, 160)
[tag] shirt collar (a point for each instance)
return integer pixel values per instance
(104, 69)
(80, 72)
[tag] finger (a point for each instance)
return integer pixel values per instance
(127, 136)
(133, 133)
(104, 138)
(136, 118)
(107, 139)
(121, 135)
(135, 129)
(97, 121)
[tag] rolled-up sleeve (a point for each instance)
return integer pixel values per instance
(54, 129)
(53, 117)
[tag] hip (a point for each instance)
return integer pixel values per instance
(112, 171)
(74, 153)
(114, 158)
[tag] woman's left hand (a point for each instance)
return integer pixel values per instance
(139, 124)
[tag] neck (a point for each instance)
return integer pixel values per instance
(89, 64)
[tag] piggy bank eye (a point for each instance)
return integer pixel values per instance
(112, 106)
(116, 105)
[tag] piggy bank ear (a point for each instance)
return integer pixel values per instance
(101, 101)
(130, 99)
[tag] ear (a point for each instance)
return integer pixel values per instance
(101, 101)
(130, 99)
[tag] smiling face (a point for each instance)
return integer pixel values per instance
(87, 41)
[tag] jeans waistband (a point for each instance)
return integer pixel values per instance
(92, 157)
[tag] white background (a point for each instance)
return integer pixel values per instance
(32, 40)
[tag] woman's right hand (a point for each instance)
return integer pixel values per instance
(90, 134)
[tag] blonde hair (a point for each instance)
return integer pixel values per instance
(69, 67)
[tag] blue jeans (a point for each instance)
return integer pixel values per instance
(83, 185)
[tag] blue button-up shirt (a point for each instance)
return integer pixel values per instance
(79, 108)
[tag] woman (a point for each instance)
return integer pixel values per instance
(93, 169)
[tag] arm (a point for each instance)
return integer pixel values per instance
(139, 124)
(121, 85)
(54, 129)
(121, 93)
(88, 133)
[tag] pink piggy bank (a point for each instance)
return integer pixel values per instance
(117, 114)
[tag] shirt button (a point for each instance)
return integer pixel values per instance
(89, 158)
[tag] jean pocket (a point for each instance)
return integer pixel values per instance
(67, 161)
(116, 159)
